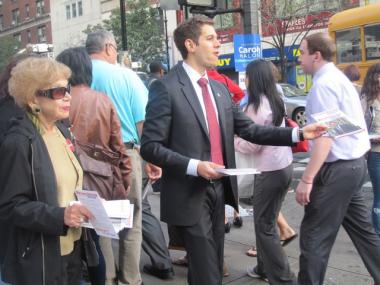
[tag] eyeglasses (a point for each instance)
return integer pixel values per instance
(55, 93)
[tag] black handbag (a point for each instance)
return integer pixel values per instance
(91, 255)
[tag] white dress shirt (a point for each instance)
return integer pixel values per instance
(332, 90)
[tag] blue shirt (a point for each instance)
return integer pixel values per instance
(127, 92)
(333, 90)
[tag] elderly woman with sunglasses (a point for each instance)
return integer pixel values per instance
(38, 176)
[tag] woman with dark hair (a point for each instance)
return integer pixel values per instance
(94, 122)
(352, 72)
(371, 96)
(266, 107)
(8, 107)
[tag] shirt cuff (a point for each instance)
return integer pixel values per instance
(192, 167)
(295, 136)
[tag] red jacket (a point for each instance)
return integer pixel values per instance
(237, 92)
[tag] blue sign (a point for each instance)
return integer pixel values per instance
(246, 49)
(273, 54)
(225, 61)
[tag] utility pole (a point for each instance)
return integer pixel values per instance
(166, 39)
(123, 26)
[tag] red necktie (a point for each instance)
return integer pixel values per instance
(213, 125)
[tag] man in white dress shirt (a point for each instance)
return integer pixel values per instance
(330, 188)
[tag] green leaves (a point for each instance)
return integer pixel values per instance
(144, 31)
(8, 47)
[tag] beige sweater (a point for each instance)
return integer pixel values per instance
(69, 177)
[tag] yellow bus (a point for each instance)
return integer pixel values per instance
(357, 36)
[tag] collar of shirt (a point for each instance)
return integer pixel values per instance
(323, 70)
(194, 77)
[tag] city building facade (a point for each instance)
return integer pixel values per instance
(27, 21)
(70, 18)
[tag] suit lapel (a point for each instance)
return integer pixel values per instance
(189, 92)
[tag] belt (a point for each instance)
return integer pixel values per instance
(213, 181)
(342, 160)
(129, 145)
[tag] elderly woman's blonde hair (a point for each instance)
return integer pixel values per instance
(33, 74)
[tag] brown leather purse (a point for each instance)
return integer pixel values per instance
(101, 171)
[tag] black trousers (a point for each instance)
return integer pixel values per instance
(204, 241)
(337, 199)
(153, 240)
(72, 265)
(269, 192)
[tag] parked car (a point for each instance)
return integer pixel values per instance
(295, 102)
(143, 76)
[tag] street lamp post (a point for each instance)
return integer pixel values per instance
(165, 22)
(166, 39)
(123, 26)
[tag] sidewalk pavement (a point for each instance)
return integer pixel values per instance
(345, 265)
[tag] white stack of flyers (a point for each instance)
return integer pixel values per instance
(110, 217)
(338, 124)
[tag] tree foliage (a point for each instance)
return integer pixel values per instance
(280, 18)
(144, 30)
(8, 47)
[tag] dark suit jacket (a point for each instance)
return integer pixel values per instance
(175, 131)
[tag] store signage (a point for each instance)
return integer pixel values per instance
(226, 61)
(307, 22)
(246, 48)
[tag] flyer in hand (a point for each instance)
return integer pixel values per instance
(237, 171)
(338, 124)
(110, 217)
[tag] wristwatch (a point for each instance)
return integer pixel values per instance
(300, 135)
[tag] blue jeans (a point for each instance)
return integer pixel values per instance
(373, 163)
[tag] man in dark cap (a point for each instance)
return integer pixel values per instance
(157, 71)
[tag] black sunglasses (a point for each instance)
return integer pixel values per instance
(55, 93)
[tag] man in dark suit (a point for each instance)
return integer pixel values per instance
(189, 130)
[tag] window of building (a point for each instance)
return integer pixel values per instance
(74, 9)
(224, 21)
(40, 6)
(28, 36)
(15, 16)
(348, 46)
(227, 21)
(17, 37)
(80, 8)
(41, 34)
(289, 7)
(68, 12)
(304, 7)
(27, 11)
(372, 41)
